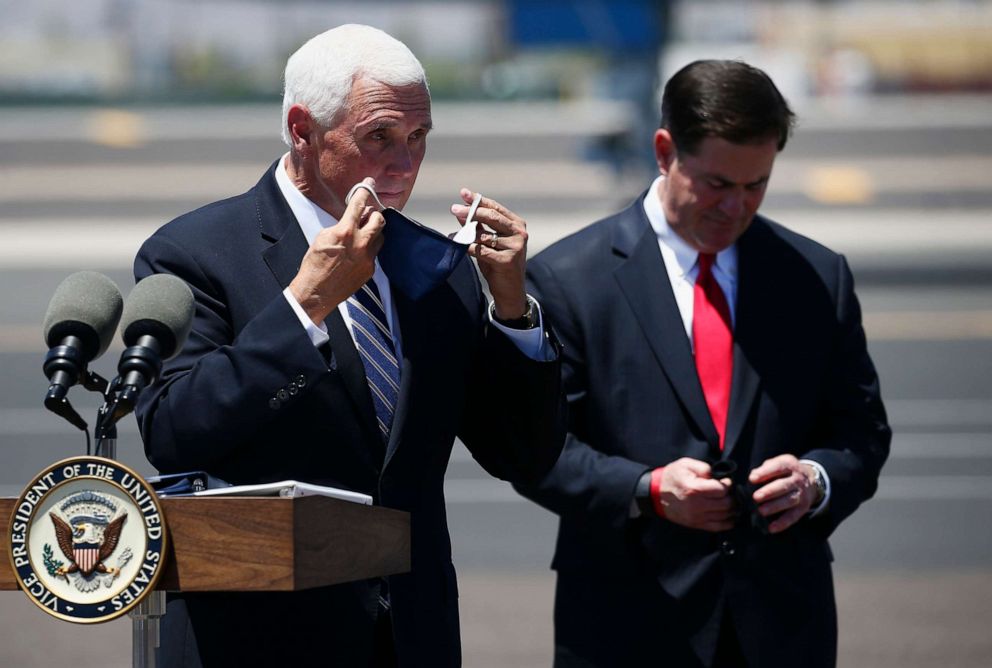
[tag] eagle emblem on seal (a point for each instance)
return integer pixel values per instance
(88, 528)
(83, 545)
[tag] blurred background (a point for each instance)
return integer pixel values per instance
(117, 115)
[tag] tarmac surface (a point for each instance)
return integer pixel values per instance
(887, 620)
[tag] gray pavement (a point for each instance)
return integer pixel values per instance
(887, 620)
(904, 188)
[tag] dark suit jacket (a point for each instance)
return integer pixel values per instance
(249, 399)
(635, 592)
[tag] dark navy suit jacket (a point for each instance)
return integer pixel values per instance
(649, 592)
(250, 399)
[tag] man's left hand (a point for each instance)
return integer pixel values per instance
(786, 491)
(501, 251)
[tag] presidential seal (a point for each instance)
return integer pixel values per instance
(87, 539)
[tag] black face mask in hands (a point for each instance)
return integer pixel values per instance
(416, 258)
(741, 494)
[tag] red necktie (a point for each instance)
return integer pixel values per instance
(714, 343)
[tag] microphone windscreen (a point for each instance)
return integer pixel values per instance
(87, 305)
(160, 305)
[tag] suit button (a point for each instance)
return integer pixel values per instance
(301, 381)
(293, 389)
(728, 549)
(274, 403)
(282, 395)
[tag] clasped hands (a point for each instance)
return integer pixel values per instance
(342, 257)
(692, 498)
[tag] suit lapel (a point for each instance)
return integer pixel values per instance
(411, 340)
(743, 389)
(644, 282)
(752, 284)
(278, 225)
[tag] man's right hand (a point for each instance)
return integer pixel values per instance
(690, 497)
(341, 259)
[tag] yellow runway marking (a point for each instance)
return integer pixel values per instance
(839, 185)
(928, 325)
(116, 128)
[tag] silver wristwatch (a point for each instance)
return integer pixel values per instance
(821, 485)
(529, 320)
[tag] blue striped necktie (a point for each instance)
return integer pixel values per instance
(375, 345)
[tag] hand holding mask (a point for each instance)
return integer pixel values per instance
(500, 249)
(741, 492)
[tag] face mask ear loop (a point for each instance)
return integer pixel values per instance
(366, 186)
(471, 210)
(466, 235)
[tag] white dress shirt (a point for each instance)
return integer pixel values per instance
(681, 263)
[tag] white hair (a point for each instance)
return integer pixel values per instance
(320, 74)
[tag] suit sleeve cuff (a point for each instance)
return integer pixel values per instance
(531, 342)
(318, 335)
(642, 495)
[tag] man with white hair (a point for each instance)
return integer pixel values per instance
(312, 358)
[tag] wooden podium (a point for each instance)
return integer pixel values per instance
(268, 543)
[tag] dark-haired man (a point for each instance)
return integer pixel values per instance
(724, 413)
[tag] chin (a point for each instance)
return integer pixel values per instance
(395, 201)
(723, 238)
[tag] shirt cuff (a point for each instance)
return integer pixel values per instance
(531, 342)
(825, 501)
(318, 334)
(641, 491)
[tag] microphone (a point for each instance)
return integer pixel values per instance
(79, 326)
(157, 319)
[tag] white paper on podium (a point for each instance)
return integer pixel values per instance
(288, 488)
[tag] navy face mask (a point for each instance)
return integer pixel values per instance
(416, 258)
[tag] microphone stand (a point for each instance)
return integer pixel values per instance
(104, 432)
(147, 614)
(118, 401)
